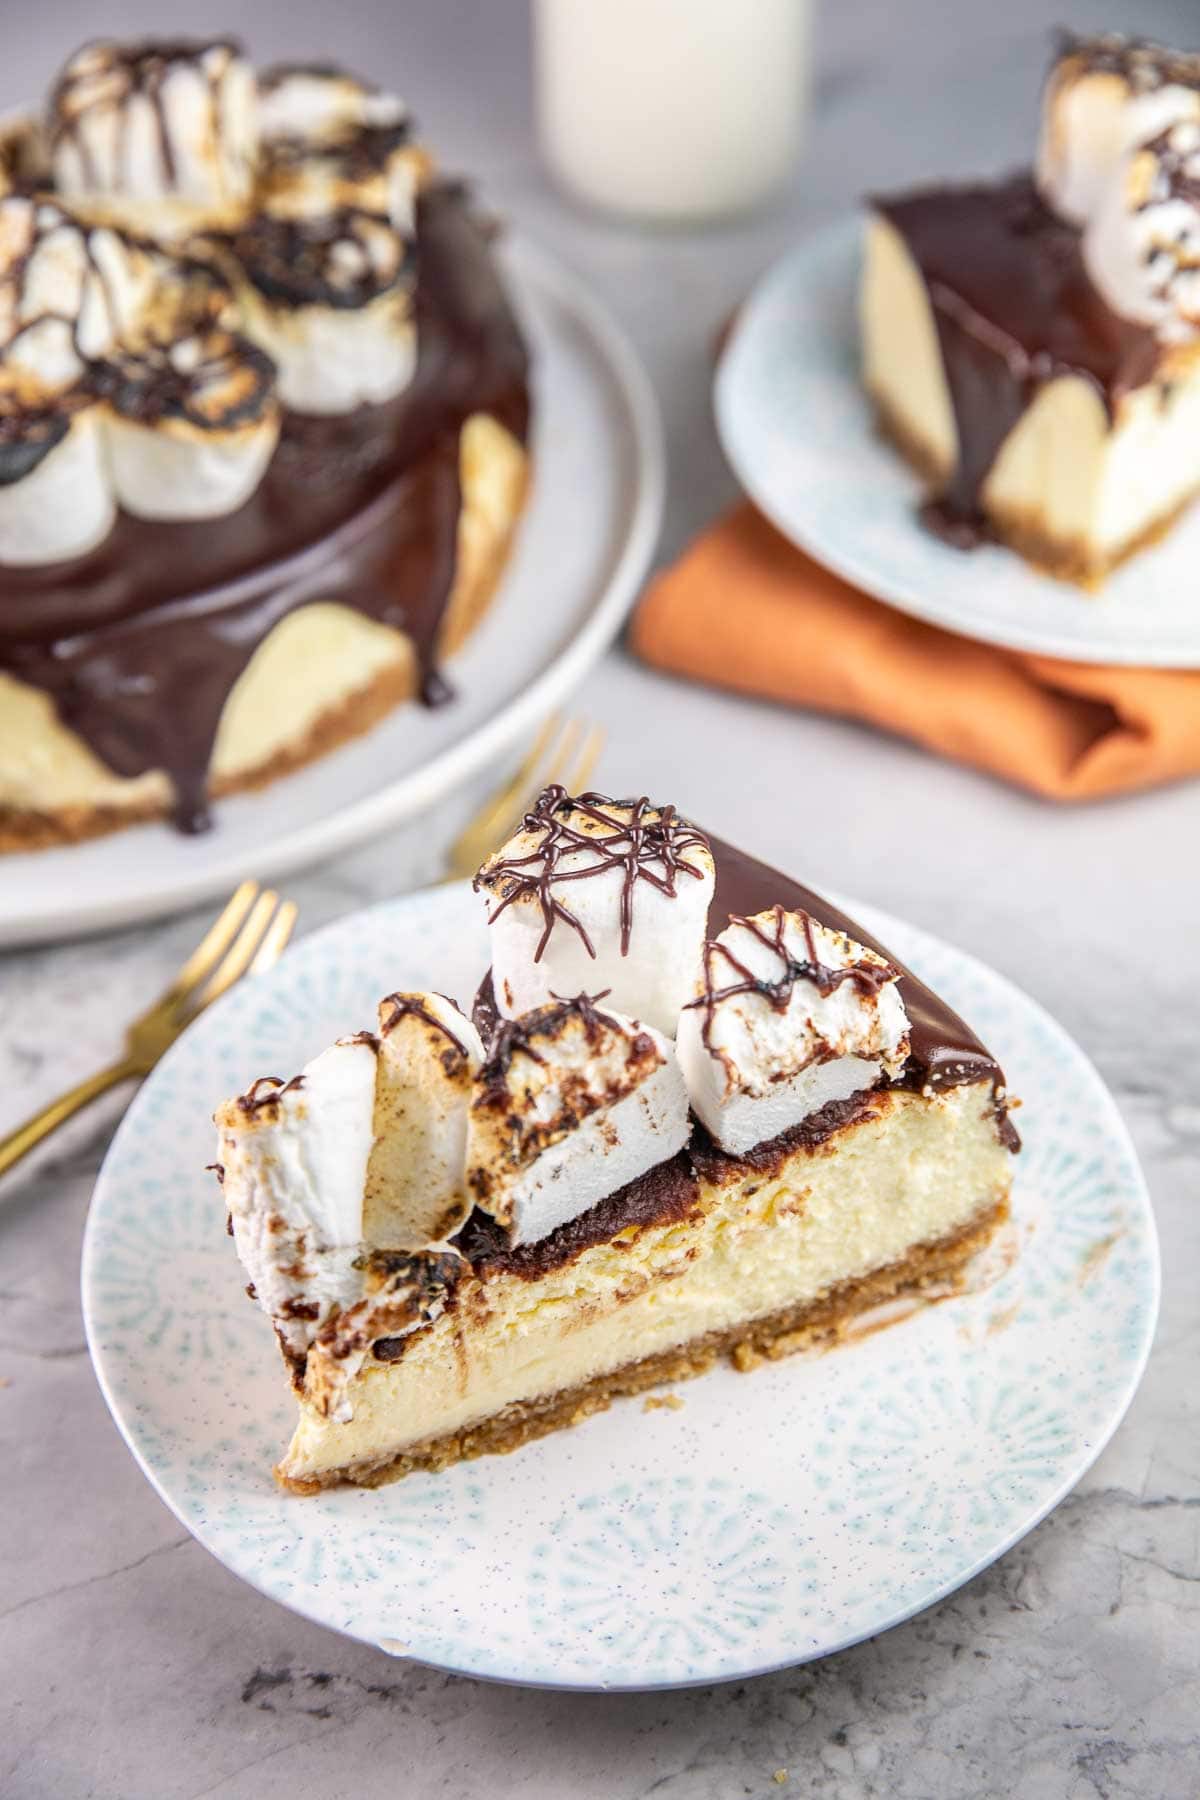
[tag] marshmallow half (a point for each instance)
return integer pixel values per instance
(342, 1184)
(789, 1017)
(1142, 245)
(429, 1056)
(1103, 97)
(599, 895)
(294, 1159)
(573, 1103)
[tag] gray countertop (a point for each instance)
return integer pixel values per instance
(132, 1664)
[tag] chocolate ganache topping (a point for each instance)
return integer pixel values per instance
(1014, 308)
(140, 642)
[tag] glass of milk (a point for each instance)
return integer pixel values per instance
(671, 110)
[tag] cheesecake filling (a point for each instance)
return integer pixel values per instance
(737, 1245)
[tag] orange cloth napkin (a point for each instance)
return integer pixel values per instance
(745, 609)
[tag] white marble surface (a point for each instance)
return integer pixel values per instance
(132, 1665)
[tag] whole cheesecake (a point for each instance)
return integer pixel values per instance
(752, 1128)
(264, 410)
(1032, 344)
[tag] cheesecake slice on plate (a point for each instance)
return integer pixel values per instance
(695, 1112)
(1032, 345)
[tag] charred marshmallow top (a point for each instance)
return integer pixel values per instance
(156, 132)
(1120, 158)
(594, 894)
(1103, 98)
(184, 282)
(1142, 247)
(573, 1103)
(789, 1017)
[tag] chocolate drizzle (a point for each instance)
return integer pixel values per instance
(140, 642)
(514, 1037)
(265, 1093)
(868, 977)
(943, 1051)
(141, 68)
(345, 258)
(408, 1006)
(644, 842)
(1014, 308)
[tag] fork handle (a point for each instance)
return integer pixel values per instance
(20, 1142)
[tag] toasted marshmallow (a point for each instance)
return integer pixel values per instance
(318, 103)
(789, 1017)
(572, 1104)
(67, 293)
(404, 1291)
(1103, 97)
(294, 1162)
(429, 1055)
(329, 142)
(56, 497)
(330, 301)
(158, 136)
(192, 425)
(599, 894)
(1142, 245)
(24, 156)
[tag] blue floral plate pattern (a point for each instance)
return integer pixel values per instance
(800, 433)
(773, 1517)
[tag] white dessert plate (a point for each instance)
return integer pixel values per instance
(581, 552)
(801, 437)
(774, 1517)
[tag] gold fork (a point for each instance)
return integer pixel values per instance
(249, 936)
(565, 750)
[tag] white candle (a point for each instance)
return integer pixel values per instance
(671, 109)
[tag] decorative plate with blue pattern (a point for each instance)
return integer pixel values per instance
(800, 433)
(771, 1518)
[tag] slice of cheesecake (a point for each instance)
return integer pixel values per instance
(1031, 344)
(468, 1237)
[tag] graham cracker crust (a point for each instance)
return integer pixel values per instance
(1068, 559)
(352, 716)
(820, 1323)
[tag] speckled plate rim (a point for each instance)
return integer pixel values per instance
(62, 908)
(914, 945)
(801, 437)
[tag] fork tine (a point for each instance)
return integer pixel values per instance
(563, 756)
(238, 959)
(510, 801)
(276, 940)
(586, 761)
(214, 943)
